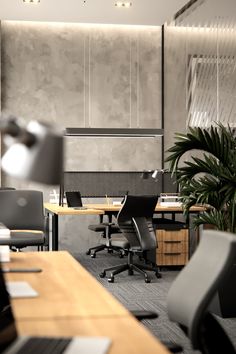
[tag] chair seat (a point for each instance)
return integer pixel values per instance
(102, 227)
(23, 238)
(117, 241)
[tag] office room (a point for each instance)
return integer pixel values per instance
(107, 85)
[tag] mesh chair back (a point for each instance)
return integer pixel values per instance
(22, 209)
(135, 221)
(196, 285)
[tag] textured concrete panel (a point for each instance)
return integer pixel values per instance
(149, 79)
(43, 72)
(109, 77)
(107, 154)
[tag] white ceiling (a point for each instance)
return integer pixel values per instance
(209, 12)
(142, 12)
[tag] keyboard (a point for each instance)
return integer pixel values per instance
(43, 345)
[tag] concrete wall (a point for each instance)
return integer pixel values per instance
(85, 75)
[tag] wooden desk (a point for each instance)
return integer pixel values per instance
(53, 210)
(159, 208)
(66, 289)
(71, 302)
(100, 209)
(127, 335)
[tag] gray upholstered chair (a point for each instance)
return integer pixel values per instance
(194, 288)
(111, 237)
(105, 229)
(21, 211)
(135, 223)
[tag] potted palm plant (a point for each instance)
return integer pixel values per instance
(209, 178)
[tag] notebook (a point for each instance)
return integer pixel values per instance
(11, 343)
(74, 200)
(18, 289)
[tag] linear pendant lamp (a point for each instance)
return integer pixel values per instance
(114, 132)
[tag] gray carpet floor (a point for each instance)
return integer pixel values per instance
(134, 293)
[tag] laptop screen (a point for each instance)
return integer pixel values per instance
(73, 199)
(8, 331)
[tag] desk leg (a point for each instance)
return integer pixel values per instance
(54, 232)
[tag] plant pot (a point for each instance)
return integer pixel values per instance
(224, 302)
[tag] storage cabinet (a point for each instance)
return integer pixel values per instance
(173, 247)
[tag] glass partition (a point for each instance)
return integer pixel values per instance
(200, 66)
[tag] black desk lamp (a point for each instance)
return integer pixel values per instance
(35, 152)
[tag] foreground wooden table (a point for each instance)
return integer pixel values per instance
(127, 335)
(65, 288)
(71, 302)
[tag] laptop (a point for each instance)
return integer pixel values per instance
(74, 200)
(11, 343)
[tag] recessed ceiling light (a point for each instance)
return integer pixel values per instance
(31, 1)
(123, 4)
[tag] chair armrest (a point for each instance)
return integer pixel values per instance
(144, 314)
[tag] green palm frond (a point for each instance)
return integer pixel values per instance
(209, 179)
(213, 217)
(206, 190)
(216, 141)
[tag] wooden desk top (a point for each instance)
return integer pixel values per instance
(127, 334)
(159, 208)
(65, 288)
(72, 302)
(64, 210)
(99, 209)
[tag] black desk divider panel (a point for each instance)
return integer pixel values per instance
(169, 184)
(116, 184)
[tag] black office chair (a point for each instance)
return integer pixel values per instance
(105, 229)
(135, 222)
(21, 211)
(107, 241)
(194, 288)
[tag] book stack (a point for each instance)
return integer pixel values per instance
(4, 250)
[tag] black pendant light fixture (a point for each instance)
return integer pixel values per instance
(114, 132)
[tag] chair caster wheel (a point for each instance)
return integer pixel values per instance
(93, 255)
(158, 275)
(147, 280)
(88, 253)
(121, 255)
(102, 275)
(111, 279)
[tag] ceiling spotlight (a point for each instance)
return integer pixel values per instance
(123, 4)
(31, 1)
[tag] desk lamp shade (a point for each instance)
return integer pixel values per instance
(39, 159)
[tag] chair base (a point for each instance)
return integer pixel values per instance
(131, 267)
(93, 250)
